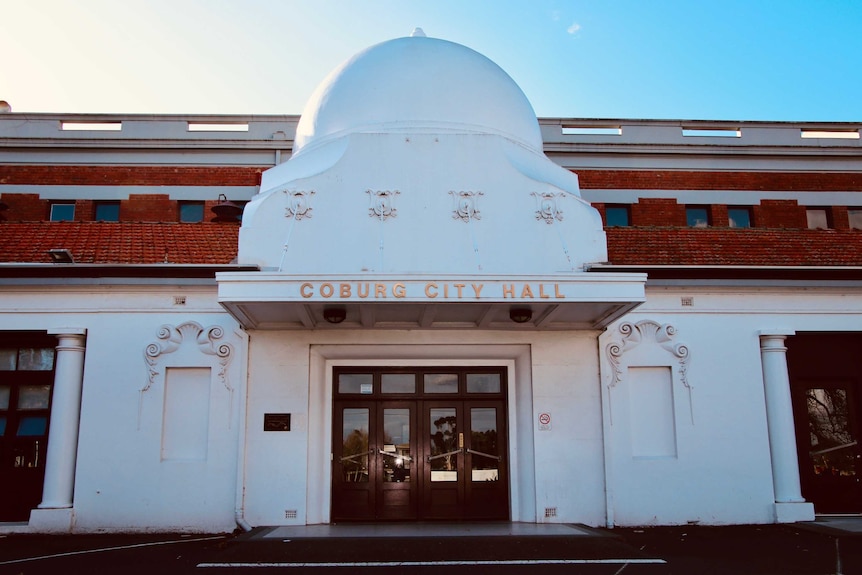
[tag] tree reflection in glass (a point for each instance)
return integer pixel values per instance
(396, 445)
(354, 452)
(483, 444)
(444, 445)
(831, 439)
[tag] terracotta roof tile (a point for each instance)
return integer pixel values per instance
(120, 242)
(216, 243)
(734, 246)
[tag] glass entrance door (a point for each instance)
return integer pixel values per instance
(419, 444)
(373, 463)
(465, 477)
(830, 466)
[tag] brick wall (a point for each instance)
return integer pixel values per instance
(149, 208)
(658, 212)
(688, 180)
(130, 175)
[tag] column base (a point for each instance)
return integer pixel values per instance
(52, 520)
(793, 512)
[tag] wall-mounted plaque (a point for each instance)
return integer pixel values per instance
(276, 422)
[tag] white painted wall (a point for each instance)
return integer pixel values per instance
(721, 472)
(122, 481)
(553, 372)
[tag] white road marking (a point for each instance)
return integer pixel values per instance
(355, 564)
(104, 549)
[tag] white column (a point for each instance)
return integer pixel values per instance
(789, 504)
(55, 513)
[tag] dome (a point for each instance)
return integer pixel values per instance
(420, 85)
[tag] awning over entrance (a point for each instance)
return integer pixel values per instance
(267, 300)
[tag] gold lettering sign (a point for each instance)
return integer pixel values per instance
(346, 290)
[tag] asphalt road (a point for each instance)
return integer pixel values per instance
(771, 549)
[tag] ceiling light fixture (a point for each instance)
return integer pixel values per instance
(334, 314)
(520, 314)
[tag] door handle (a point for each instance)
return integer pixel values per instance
(395, 455)
(355, 455)
(438, 456)
(488, 455)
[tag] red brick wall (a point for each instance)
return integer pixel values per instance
(149, 208)
(688, 180)
(25, 207)
(780, 214)
(131, 175)
(658, 212)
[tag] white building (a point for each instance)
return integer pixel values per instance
(427, 317)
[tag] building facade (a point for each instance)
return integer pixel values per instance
(416, 301)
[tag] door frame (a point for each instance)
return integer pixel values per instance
(515, 358)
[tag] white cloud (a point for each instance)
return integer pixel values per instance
(574, 28)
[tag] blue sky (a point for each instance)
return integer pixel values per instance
(697, 59)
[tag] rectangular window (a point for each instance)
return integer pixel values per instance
(191, 211)
(398, 383)
(355, 383)
(62, 212)
(441, 383)
(617, 216)
(739, 217)
(818, 219)
(108, 212)
(855, 216)
(697, 217)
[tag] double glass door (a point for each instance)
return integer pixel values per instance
(424, 457)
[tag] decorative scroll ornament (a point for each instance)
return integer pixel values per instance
(547, 209)
(466, 205)
(172, 338)
(382, 203)
(298, 204)
(647, 332)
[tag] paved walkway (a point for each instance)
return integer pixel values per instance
(832, 545)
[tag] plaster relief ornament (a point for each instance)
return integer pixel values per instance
(172, 338)
(466, 205)
(649, 333)
(382, 204)
(546, 202)
(298, 204)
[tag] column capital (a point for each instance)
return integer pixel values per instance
(773, 340)
(67, 331)
(776, 332)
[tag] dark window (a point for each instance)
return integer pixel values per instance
(617, 216)
(26, 378)
(739, 217)
(696, 217)
(62, 212)
(108, 212)
(818, 218)
(191, 211)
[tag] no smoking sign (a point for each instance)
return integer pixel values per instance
(544, 421)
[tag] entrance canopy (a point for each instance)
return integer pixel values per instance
(282, 301)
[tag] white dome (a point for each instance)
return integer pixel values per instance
(420, 85)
